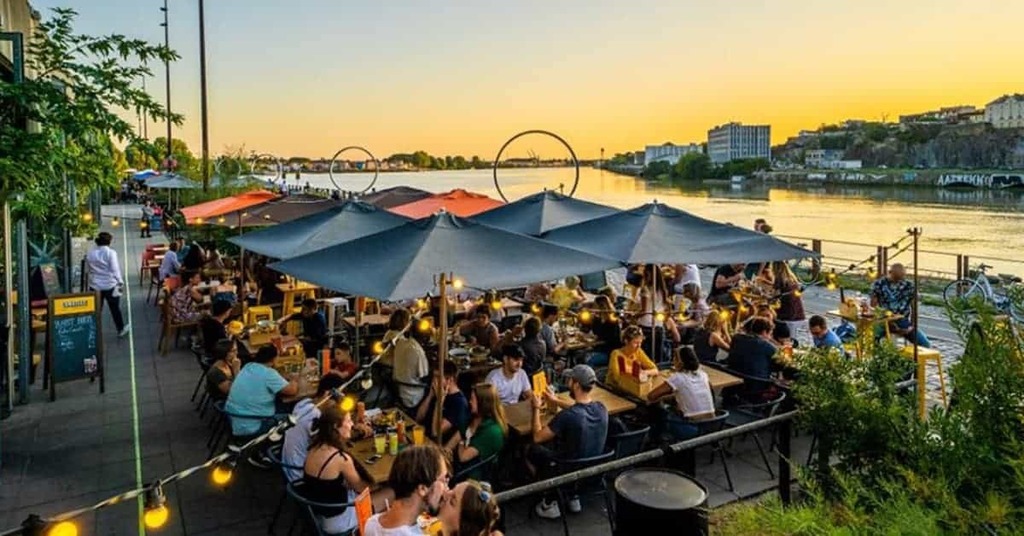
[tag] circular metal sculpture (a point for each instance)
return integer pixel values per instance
(279, 172)
(575, 161)
(220, 160)
(376, 166)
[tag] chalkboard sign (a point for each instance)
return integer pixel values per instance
(74, 349)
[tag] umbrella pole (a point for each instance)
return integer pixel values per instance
(653, 294)
(359, 324)
(442, 352)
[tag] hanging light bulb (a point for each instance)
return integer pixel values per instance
(221, 219)
(199, 221)
(347, 404)
(222, 474)
(723, 314)
(421, 303)
(536, 309)
(87, 217)
(424, 325)
(797, 293)
(830, 286)
(613, 317)
(115, 222)
(457, 284)
(377, 347)
(659, 316)
(496, 305)
(143, 224)
(585, 315)
(156, 513)
(63, 528)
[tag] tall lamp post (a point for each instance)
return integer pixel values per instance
(167, 72)
(202, 93)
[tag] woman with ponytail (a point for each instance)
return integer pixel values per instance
(469, 509)
(330, 474)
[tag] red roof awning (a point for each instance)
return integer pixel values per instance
(218, 207)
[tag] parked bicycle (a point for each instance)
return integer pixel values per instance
(965, 294)
(807, 269)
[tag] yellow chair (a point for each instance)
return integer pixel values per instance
(258, 312)
(932, 355)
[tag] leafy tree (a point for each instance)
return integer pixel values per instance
(658, 169)
(71, 104)
(693, 167)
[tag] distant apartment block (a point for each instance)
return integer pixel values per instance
(1006, 111)
(669, 152)
(821, 158)
(733, 141)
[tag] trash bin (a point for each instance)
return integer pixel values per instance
(155, 223)
(657, 497)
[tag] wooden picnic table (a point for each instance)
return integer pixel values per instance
(363, 449)
(520, 414)
(367, 320)
(719, 380)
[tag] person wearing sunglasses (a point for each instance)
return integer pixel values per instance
(469, 509)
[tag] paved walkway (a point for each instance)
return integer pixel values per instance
(85, 446)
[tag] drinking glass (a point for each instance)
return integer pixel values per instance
(380, 443)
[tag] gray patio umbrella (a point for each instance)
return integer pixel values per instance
(280, 210)
(404, 262)
(418, 257)
(659, 234)
(541, 212)
(170, 181)
(395, 196)
(340, 223)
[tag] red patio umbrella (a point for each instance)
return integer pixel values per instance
(458, 202)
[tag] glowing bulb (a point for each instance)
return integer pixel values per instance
(797, 293)
(347, 404)
(64, 528)
(377, 348)
(143, 224)
(221, 475)
(199, 221)
(424, 325)
(831, 286)
(496, 305)
(585, 316)
(155, 518)
(87, 217)
(421, 303)
(723, 314)
(535, 308)
(457, 284)
(115, 222)
(221, 219)
(660, 317)
(741, 309)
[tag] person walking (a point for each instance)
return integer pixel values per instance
(105, 277)
(147, 220)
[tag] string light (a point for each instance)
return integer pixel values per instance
(659, 316)
(585, 316)
(221, 219)
(143, 224)
(535, 309)
(222, 474)
(156, 513)
(457, 284)
(64, 528)
(87, 217)
(421, 303)
(377, 347)
(347, 404)
(115, 222)
(723, 314)
(424, 325)
(613, 317)
(496, 305)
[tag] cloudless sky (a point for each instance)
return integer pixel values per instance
(307, 77)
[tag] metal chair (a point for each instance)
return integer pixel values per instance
(748, 413)
(294, 490)
(591, 486)
(716, 424)
(273, 453)
(623, 444)
(222, 433)
(485, 466)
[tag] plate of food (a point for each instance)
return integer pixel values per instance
(479, 351)
(458, 353)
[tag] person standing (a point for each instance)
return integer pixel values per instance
(105, 278)
(147, 220)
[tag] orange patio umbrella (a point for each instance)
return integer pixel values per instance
(218, 207)
(458, 202)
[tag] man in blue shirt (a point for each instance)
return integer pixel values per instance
(822, 335)
(254, 392)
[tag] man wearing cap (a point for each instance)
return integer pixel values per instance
(578, 431)
(510, 379)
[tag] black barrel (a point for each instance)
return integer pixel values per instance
(654, 497)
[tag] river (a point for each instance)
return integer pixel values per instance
(976, 223)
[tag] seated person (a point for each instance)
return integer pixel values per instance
(604, 325)
(486, 433)
(211, 326)
(823, 336)
(622, 360)
(296, 438)
(330, 475)
(510, 381)
(548, 317)
(314, 327)
(751, 353)
(254, 393)
(408, 359)
(470, 508)
(341, 361)
(533, 346)
(578, 431)
(170, 265)
(419, 479)
(896, 294)
(724, 281)
(454, 407)
(480, 330)
(711, 338)
(223, 370)
(694, 398)
(567, 295)
(186, 299)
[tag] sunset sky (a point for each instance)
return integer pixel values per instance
(307, 77)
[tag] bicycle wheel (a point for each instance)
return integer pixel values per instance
(962, 293)
(807, 270)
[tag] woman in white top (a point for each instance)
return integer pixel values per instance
(691, 389)
(105, 278)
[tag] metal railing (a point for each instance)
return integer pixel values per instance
(782, 421)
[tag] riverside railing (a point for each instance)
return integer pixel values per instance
(784, 423)
(840, 255)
